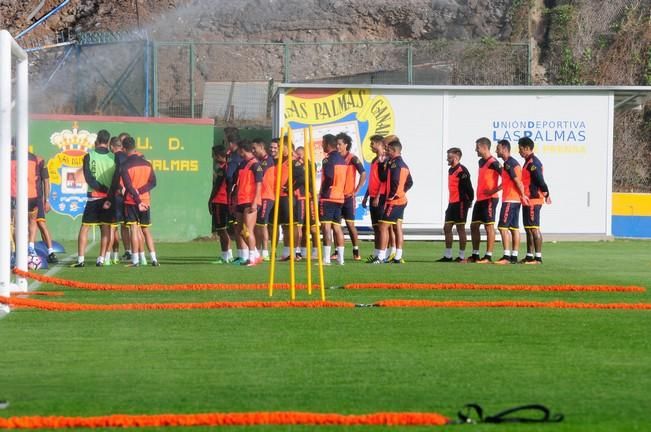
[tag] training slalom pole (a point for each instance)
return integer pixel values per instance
(290, 193)
(308, 231)
(317, 222)
(274, 235)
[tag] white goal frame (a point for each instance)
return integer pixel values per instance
(13, 108)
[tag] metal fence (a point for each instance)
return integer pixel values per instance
(185, 70)
(125, 74)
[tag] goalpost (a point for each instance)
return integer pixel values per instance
(13, 123)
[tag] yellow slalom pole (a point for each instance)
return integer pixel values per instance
(317, 222)
(308, 232)
(290, 193)
(274, 236)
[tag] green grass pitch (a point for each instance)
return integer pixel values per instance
(594, 366)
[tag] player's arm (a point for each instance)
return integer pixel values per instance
(520, 187)
(409, 182)
(327, 175)
(465, 187)
(90, 178)
(382, 169)
(258, 174)
(365, 200)
(359, 166)
(394, 184)
(496, 167)
(538, 179)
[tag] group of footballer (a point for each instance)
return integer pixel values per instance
(520, 186)
(119, 180)
(243, 198)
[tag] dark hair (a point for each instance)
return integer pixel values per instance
(219, 151)
(231, 135)
(376, 138)
(483, 141)
(456, 151)
(122, 136)
(525, 142)
(346, 139)
(115, 141)
(276, 140)
(329, 140)
(103, 137)
(395, 144)
(245, 145)
(505, 143)
(129, 143)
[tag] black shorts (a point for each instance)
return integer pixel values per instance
(484, 211)
(264, 212)
(348, 208)
(283, 210)
(457, 212)
(330, 212)
(393, 213)
(242, 208)
(118, 208)
(219, 216)
(376, 211)
(531, 216)
(95, 213)
(134, 216)
(509, 216)
(299, 211)
(32, 204)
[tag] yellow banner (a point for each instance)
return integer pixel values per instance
(376, 111)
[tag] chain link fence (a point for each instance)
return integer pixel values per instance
(94, 78)
(125, 74)
(188, 73)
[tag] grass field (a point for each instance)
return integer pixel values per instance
(594, 366)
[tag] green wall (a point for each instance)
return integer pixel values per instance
(178, 149)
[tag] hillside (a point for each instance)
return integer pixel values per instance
(572, 41)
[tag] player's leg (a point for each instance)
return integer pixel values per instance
(475, 225)
(242, 248)
(149, 241)
(450, 220)
(488, 220)
(338, 237)
(505, 234)
(463, 240)
(104, 238)
(125, 233)
(515, 246)
(384, 229)
(31, 231)
(249, 216)
(147, 237)
(82, 241)
(400, 241)
(326, 231)
(447, 232)
(490, 243)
